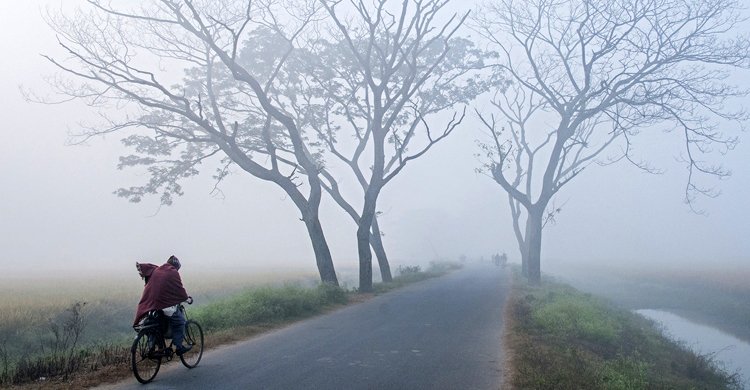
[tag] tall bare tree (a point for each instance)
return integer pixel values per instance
(230, 103)
(388, 67)
(589, 75)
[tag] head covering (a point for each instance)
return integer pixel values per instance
(164, 289)
(174, 261)
(145, 270)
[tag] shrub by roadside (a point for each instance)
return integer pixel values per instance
(267, 305)
(561, 338)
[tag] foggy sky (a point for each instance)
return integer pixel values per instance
(57, 210)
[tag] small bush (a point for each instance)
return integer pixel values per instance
(409, 269)
(330, 294)
(64, 355)
(414, 273)
(442, 267)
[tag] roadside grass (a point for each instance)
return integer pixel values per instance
(411, 274)
(235, 316)
(267, 305)
(716, 297)
(561, 338)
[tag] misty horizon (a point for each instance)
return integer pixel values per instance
(59, 211)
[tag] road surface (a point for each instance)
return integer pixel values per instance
(444, 333)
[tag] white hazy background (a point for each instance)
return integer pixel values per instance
(58, 214)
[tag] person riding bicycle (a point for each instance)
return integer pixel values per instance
(164, 291)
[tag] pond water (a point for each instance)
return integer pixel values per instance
(732, 352)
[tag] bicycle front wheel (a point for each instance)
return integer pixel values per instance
(194, 337)
(144, 361)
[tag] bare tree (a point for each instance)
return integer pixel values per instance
(230, 102)
(589, 75)
(385, 70)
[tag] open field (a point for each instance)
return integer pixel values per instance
(30, 306)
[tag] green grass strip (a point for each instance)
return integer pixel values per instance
(564, 339)
(267, 305)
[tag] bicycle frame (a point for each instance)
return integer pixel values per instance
(161, 330)
(150, 346)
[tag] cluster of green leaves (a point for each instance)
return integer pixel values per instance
(565, 339)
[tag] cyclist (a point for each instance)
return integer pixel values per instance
(164, 291)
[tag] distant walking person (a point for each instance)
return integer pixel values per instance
(164, 291)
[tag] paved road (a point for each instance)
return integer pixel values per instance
(443, 333)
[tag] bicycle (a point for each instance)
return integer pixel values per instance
(150, 347)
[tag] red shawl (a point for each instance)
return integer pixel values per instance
(163, 289)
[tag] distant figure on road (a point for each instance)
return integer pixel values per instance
(164, 291)
(500, 260)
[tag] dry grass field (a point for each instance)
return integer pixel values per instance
(30, 307)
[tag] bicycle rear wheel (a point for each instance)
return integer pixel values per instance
(144, 362)
(194, 337)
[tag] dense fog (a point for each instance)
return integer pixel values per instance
(58, 213)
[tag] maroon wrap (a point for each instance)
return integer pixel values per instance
(163, 288)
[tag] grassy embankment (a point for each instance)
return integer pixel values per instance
(715, 297)
(560, 338)
(53, 353)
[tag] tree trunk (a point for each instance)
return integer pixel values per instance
(534, 245)
(308, 208)
(322, 252)
(365, 256)
(515, 209)
(377, 245)
(525, 245)
(363, 240)
(524, 250)
(375, 239)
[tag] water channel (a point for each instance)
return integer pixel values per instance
(730, 351)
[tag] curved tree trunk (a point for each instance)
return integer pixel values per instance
(376, 242)
(322, 252)
(315, 230)
(308, 207)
